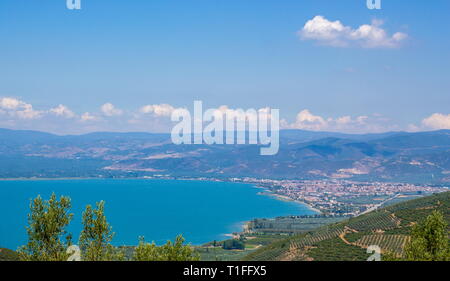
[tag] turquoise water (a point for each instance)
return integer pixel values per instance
(157, 209)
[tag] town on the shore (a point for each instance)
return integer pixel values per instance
(335, 197)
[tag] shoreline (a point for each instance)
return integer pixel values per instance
(287, 199)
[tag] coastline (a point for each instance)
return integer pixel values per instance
(245, 225)
(285, 198)
(280, 197)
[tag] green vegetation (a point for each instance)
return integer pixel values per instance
(246, 244)
(219, 254)
(8, 255)
(47, 229)
(429, 241)
(336, 250)
(412, 230)
(262, 239)
(292, 224)
(390, 243)
(48, 239)
(271, 252)
(233, 244)
(373, 221)
(355, 236)
(403, 230)
(96, 236)
(176, 251)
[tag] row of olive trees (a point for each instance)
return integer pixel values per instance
(429, 241)
(48, 239)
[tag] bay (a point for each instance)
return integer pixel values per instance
(201, 211)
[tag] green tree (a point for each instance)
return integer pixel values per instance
(96, 236)
(147, 251)
(233, 244)
(171, 251)
(46, 229)
(429, 240)
(177, 251)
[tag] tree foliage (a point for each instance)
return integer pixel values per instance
(429, 241)
(171, 251)
(46, 230)
(96, 236)
(233, 244)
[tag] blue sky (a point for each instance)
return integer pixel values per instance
(244, 53)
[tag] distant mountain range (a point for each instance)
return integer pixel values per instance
(412, 157)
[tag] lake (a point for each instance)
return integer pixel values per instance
(202, 211)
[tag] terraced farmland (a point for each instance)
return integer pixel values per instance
(374, 221)
(322, 234)
(391, 243)
(388, 228)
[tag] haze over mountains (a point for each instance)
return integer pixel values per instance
(422, 157)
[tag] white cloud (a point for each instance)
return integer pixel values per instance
(306, 120)
(109, 110)
(10, 103)
(17, 114)
(334, 33)
(240, 114)
(17, 108)
(361, 124)
(88, 117)
(437, 121)
(164, 110)
(28, 112)
(62, 110)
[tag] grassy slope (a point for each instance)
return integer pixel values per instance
(388, 227)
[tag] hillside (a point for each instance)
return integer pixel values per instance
(388, 228)
(404, 157)
(8, 255)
